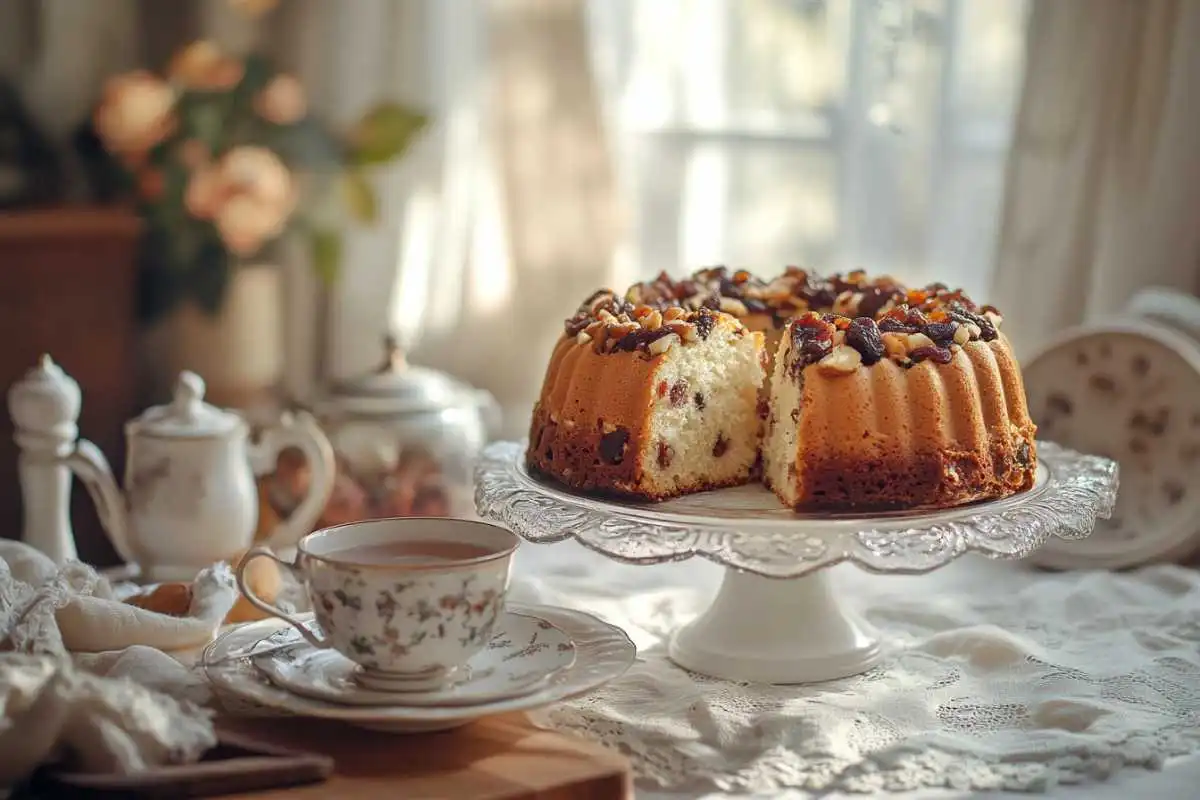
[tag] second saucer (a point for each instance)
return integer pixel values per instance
(523, 653)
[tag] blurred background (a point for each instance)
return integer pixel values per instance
(267, 191)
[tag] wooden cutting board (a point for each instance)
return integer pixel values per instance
(499, 758)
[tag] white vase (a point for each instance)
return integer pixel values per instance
(239, 351)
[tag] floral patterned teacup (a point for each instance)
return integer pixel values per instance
(409, 600)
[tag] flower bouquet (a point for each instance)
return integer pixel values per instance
(222, 159)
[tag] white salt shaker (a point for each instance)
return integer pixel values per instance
(44, 406)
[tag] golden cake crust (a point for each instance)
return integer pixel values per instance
(931, 435)
(917, 404)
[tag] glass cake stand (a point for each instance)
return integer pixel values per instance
(776, 618)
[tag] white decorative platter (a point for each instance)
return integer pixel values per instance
(524, 653)
(777, 618)
(748, 529)
(602, 652)
(1129, 391)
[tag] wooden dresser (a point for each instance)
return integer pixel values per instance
(67, 288)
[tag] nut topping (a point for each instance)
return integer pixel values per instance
(842, 361)
(663, 344)
(918, 340)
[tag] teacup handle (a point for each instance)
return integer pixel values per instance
(263, 605)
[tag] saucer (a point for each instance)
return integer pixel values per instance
(602, 653)
(524, 652)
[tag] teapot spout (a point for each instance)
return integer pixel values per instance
(90, 465)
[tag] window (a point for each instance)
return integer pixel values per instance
(828, 133)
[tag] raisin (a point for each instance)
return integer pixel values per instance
(764, 408)
(1023, 454)
(939, 355)
(942, 333)
(678, 392)
(874, 298)
(863, 336)
(916, 318)
(662, 388)
(892, 325)
(705, 320)
(665, 454)
(721, 446)
(612, 445)
(795, 414)
(699, 398)
(812, 340)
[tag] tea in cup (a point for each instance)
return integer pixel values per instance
(410, 600)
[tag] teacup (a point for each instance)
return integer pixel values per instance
(410, 600)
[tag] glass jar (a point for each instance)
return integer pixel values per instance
(406, 439)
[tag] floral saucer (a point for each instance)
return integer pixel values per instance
(602, 653)
(524, 652)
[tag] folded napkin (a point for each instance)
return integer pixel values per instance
(88, 678)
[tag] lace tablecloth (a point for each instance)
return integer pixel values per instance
(998, 679)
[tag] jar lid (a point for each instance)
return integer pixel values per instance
(187, 415)
(397, 387)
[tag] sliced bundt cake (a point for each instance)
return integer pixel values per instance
(878, 397)
(649, 403)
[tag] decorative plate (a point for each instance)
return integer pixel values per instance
(1129, 391)
(747, 529)
(602, 652)
(525, 651)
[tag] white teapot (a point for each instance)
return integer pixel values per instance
(190, 495)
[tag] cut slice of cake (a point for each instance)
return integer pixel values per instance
(649, 403)
(913, 411)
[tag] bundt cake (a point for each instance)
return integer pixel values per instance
(650, 403)
(876, 397)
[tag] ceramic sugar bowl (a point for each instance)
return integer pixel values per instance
(190, 497)
(406, 439)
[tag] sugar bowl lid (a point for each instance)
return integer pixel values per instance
(187, 415)
(397, 387)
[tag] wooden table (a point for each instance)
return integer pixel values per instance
(496, 758)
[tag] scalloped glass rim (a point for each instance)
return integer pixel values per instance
(747, 529)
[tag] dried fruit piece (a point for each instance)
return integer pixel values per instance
(666, 454)
(864, 336)
(679, 392)
(721, 446)
(612, 445)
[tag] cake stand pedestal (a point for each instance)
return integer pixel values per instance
(777, 618)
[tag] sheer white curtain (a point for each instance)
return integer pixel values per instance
(829, 133)
(1104, 183)
(835, 134)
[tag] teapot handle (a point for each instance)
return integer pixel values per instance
(301, 431)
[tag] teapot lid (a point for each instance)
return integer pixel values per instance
(187, 415)
(397, 387)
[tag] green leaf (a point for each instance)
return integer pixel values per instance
(326, 255)
(360, 197)
(385, 133)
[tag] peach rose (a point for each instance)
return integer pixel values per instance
(204, 67)
(136, 112)
(245, 224)
(282, 101)
(249, 195)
